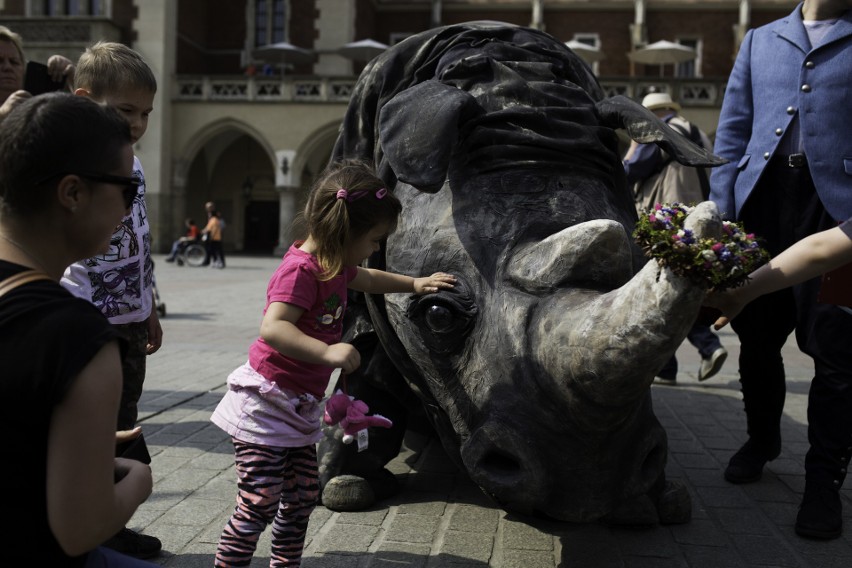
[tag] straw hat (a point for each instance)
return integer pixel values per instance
(654, 101)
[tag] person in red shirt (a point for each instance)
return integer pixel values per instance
(192, 234)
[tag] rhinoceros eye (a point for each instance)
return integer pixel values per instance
(444, 320)
(439, 319)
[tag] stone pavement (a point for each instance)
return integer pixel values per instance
(440, 518)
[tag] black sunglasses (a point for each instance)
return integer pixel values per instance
(129, 185)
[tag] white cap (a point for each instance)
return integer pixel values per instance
(654, 101)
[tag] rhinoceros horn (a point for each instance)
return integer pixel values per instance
(597, 252)
(642, 321)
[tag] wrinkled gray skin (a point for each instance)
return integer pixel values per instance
(535, 370)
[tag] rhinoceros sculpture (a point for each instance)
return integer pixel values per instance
(535, 370)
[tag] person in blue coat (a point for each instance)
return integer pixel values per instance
(786, 129)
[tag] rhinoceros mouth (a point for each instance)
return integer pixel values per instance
(523, 476)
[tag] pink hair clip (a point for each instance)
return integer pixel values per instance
(343, 194)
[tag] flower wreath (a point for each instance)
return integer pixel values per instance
(717, 264)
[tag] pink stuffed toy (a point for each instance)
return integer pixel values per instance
(351, 414)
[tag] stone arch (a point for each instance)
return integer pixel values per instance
(314, 152)
(211, 131)
(232, 164)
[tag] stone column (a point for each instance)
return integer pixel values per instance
(741, 27)
(156, 32)
(288, 204)
(176, 199)
(287, 184)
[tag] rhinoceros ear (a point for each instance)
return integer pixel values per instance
(643, 126)
(418, 130)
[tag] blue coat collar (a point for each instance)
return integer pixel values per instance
(792, 29)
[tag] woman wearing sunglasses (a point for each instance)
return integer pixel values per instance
(65, 183)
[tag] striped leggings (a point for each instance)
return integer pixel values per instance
(278, 486)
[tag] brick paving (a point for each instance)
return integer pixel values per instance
(440, 519)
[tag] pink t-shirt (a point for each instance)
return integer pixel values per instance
(295, 282)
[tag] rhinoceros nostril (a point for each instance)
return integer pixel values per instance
(500, 465)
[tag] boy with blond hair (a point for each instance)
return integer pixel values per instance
(120, 282)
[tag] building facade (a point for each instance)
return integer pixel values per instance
(249, 128)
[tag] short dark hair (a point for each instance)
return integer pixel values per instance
(55, 132)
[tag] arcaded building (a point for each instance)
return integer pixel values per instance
(248, 128)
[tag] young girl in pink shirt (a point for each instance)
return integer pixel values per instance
(272, 408)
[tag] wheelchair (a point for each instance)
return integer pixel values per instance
(193, 253)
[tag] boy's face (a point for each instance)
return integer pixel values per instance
(134, 104)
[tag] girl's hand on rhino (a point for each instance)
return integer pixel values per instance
(433, 283)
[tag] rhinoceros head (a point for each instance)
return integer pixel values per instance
(536, 367)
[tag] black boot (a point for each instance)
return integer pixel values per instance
(820, 514)
(746, 466)
(763, 402)
(135, 544)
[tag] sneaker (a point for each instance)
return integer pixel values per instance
(711, 365)
(820, 514)
(135, 544)
(170, 259)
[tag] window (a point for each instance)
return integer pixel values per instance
(690, 68)
(68, 8)
(269, 21)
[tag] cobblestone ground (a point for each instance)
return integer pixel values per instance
(440, 518)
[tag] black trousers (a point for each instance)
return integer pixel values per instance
(783, 209)
(215, 252)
